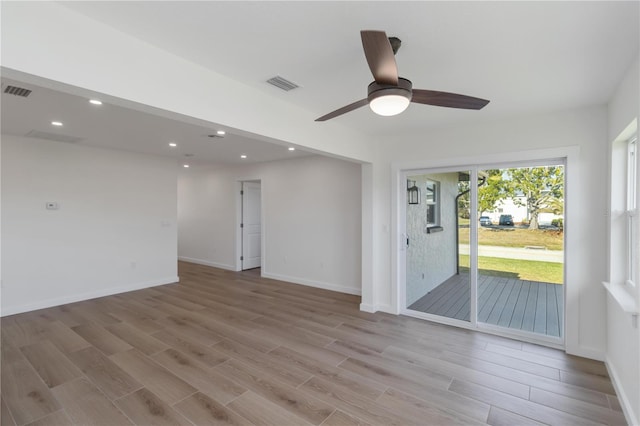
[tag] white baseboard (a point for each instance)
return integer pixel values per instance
(42, 304)
(368, 308)
(311, 283)
(207, 263)
(584, 352)
(627, 407)
(387, 309)
(378, 308)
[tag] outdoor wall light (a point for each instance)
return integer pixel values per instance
(413, 192)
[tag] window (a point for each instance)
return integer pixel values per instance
(432, 201)
(632, 165)
(632, 211)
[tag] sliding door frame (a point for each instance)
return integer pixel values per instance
(567, 156)
(402, 250)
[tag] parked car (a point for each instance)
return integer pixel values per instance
(506, 220)
(485, 221)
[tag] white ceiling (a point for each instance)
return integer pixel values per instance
(526, 57)
(117, 127)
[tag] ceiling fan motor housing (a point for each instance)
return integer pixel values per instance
(376, 90)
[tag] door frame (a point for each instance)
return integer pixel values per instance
(568, 155)
(402, 294)
(238, 250)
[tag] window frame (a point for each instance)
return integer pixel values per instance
(432, 202)
(631, 211)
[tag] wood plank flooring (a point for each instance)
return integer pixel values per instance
(226, 348)
(521, 305)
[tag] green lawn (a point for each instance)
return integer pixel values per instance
(529, 270)
(515, 237)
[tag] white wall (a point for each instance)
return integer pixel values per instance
(623, 339)
(586, 236)
(311, 219)
(431, 258)
(114, 231)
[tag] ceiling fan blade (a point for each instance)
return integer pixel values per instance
(344, 110)
(380, 57)
(445, 99)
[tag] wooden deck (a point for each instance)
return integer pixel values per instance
(522, 305)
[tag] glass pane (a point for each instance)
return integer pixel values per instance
(521, 248)
(437, 280)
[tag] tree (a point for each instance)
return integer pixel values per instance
(464, 202)
(492, 191)
(541, 187)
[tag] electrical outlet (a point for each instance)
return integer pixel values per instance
(51, 205)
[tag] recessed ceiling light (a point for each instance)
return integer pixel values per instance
(56, 123)
(95, 102)
(173, 144)
(243, 156)
(186, 166)
(221, 132)
(291, 148)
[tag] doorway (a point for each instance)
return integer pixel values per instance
(250, 225)
(485, 248)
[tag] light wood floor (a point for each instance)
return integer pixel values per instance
(232, 348)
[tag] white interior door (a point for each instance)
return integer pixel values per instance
(251, 225)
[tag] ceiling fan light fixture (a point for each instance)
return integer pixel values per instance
(389, 100)
(388, 105)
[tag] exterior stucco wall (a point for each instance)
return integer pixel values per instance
(431, 258)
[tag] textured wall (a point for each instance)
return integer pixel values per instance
(431, 258)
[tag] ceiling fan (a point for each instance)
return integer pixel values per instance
(390, 94)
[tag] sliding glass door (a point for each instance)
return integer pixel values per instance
(437, 230)
(485, 248)
(521, 249)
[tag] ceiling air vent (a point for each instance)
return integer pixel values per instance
(53, 136)
(282, 83)
(18, 91)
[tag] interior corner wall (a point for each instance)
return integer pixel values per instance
(585, 129)
(623, 339)
(311, 219)
(114, 229)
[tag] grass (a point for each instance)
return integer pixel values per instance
(515, 237)
(528, 270)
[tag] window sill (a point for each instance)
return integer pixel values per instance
(432, 229)
(623, 298)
